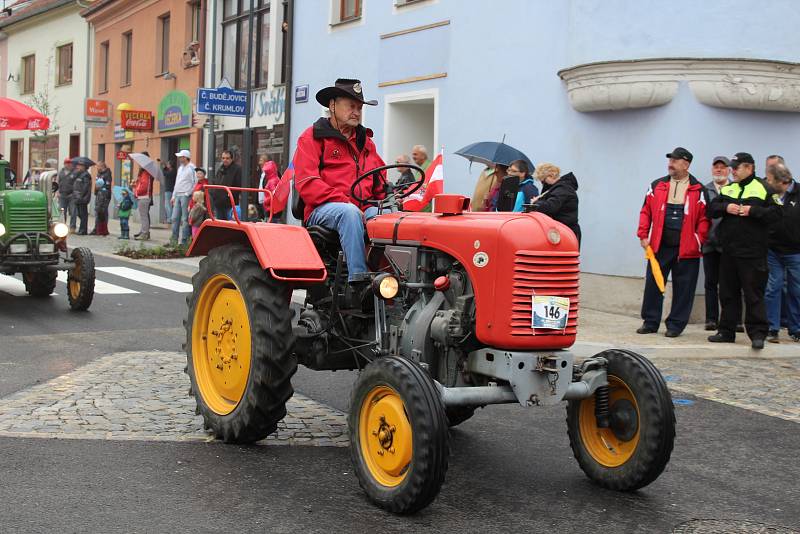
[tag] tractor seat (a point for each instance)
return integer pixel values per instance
(323, 234)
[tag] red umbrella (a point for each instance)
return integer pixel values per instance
(17, 116)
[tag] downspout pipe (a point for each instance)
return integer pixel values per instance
(287, 107)
(212, 140)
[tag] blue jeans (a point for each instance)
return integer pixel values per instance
(778, 265)
(348, 221)
(168, 205)
(180, 218)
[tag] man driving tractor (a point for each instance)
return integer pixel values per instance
(330, 156)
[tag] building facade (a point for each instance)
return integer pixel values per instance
(147, 58)
(229, 31)
(46, 68)
(598, 88)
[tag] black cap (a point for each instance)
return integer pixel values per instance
(346, 88)
(741, 157)
(722, 159)
(681, 153)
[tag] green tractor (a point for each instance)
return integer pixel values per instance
(33, 242)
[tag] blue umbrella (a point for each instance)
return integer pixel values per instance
(490, 152)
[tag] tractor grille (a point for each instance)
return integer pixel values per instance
(27, 219)
(551, 274)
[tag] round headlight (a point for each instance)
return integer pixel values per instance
(554, 236)
(386, 286)
(60, 230)
(2, 229)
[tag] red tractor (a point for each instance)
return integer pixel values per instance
(464, 310)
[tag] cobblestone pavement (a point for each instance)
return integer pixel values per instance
(767, 386)
(143, 396)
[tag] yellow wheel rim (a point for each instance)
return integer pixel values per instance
(385, 436)
(73, 282)
(221, 344)
(602, 443)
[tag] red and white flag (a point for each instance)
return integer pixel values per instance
(434, 185)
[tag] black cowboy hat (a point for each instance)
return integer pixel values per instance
(344, 88)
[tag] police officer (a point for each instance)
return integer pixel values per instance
(747, 210)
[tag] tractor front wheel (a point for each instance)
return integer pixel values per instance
(398, 435)
(635, 447)
(239, 345)
(80, 280)
(41, 284)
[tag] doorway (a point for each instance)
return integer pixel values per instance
(15, 158)
(74, 145)
(410, 119)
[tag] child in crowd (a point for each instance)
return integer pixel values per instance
(252, 213)
(125, 206)
(198, 213)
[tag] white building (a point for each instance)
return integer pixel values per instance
(46, 45)
(227, 35)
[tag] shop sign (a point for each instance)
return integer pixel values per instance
(269, 104)
(140, 121)
(122, 155)
(174, 111)
(97, 110)
(119, 132)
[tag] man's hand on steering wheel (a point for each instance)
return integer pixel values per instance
(388, 188)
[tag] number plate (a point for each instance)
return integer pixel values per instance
(550, 312)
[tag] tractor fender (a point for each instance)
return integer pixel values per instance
(285, 250)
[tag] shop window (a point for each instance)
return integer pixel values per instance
(235, 29)
(127, 57)
(64, 64)
(28, 74)
(103, 78)
(163, 49)
(42, 149)
(346, 10)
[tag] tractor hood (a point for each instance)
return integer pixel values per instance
(510, 258)
(23, 211)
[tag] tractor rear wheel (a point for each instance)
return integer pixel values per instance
(634, 450)
(399, 442)
(239, 345)
(80, 280)
(41, 284)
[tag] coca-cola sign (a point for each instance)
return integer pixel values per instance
(141, 121)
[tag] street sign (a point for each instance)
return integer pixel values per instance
(301, 94)
(222, 101)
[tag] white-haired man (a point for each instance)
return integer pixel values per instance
(420, 156)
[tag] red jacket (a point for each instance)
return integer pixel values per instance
(326, 165)
(144, 184)
(695, 223)
(270, 183)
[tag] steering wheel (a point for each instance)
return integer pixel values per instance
(388, 187)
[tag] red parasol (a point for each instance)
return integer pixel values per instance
(17, 116)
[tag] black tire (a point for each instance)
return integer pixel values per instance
(418, 482)
(80, 280)
(268, 382)
(41, 284)
(458, 414)
(642, 449)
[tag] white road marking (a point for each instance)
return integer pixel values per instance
(13, 286)
(100, 287)
(149, 279)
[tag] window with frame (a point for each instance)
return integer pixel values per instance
(64, 64)
(41, 149)
(401, 3)
(195, 20)
(28, 73)
(348, 10)
(127, 56)
(163, 32)
(103, 78)
(235, 29)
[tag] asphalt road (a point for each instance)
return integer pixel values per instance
(511, 470)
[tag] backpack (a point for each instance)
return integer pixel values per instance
(126, 204)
